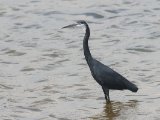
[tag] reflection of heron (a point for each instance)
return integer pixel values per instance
(105, 76)
(114, 110)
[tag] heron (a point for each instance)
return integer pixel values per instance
(106, 77)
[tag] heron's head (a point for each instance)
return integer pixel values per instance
(78, 23)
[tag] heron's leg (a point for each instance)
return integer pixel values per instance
(106, 93)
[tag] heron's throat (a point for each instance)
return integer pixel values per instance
(87, 53)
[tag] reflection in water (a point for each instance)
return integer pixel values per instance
(116, 109)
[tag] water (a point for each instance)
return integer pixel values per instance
(43, 73)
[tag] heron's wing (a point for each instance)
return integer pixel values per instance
(108, 77)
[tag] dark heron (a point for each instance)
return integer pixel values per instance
(105, 76)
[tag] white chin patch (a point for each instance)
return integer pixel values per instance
(81, 26)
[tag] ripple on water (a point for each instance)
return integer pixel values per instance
(2, 13)
(52, 13)
(8, 62)
(94, 15)
(84, 95)
(30, 108)
(44, 80)
(116, 11)
(64, 98)
(154, 35)
(27, 69)
(42, 102)
(51, 89)
(2, 86)
(75, 74)
(140, 49)
(115, 16)
(53, 55)
(33, 26)
(31, 45)
(50, 67)
(34, 1)
(14, 53)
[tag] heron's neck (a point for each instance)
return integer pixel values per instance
(87, 53)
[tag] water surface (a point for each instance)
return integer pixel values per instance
(43, 73)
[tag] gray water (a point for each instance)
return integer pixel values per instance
(43, 73)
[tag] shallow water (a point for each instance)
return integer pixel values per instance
(43, 73)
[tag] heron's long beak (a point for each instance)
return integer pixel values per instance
(70, 26)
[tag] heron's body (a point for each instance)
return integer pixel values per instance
(105, 76)
(110, 79)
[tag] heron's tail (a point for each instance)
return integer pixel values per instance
(130, 86)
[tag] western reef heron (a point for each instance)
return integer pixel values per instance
(105, 76)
